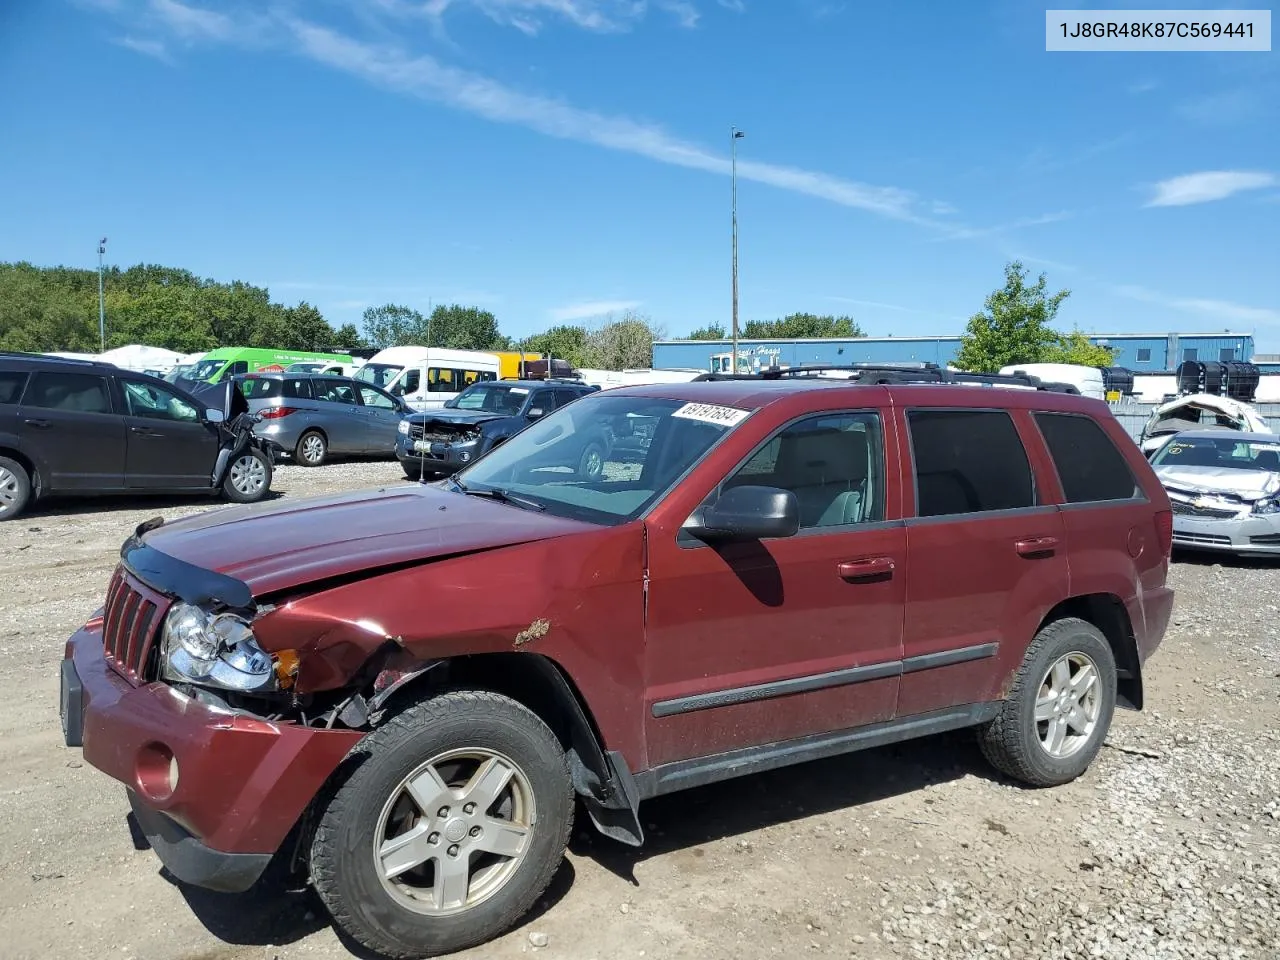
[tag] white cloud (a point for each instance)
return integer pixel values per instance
(686, 13)
(193, 22)
(424, 76)
(591, 308)
(971, 233)
(1207, 186)
(600, 16)
(737, 6)
(148, 48)
(1226, 311)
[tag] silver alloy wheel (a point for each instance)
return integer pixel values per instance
(1067, 705)
(594, 463)
(8, 490)
(248, 475)
(454, 831)
(312, 448)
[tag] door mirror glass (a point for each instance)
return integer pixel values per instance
(747, 513)
(213, 415)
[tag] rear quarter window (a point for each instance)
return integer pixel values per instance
(1089, 466)
(259, 388)
(968, 461)
(11, 384)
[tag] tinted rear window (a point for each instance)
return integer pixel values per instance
(968, 461)
(257, 388)
(1089, 465)
(11, 384)
(76, 392)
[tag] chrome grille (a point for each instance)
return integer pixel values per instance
(1211, 513)
(130, 622)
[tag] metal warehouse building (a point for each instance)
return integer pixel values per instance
(1137, 351)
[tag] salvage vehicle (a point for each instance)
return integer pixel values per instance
(485, 415)
(1198, 411)
(82, 427)
(314, 417)
(1224, 489)
(399, 693)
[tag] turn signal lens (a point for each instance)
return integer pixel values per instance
(286, 668)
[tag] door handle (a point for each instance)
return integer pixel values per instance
(42, 424)
(1037, 546)
(145, 432)
(871, 568)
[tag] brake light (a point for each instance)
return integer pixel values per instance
(275, 413)
(1164, 530)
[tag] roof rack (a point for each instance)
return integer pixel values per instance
(897, 373)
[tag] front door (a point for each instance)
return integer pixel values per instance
(987, 554)
(758, 642)
(169, 445)
(70, 422)
(381, 418)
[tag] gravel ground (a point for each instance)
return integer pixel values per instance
(1167, 848)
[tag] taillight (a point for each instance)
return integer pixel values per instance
(275, 413)
(1164, 530)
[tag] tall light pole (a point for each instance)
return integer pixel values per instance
(734, 136)
(102, 306)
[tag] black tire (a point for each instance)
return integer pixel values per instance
(591, 463)
(15, 493)
(1012, 741)
(312, 449)
(342, 859)
(256, 491)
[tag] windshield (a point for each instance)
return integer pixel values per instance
(1219, 454)
(490, 398)
(304, 367)
(205, 370)
(379, 374)
(603, 459)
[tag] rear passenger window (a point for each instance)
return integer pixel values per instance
(11, 384)
(968, 461)
(77, 392)
(334, 391)
(297, 388)
(259, 388)
(1089, 465)
(834, 465)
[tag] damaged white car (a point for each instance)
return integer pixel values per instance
(1225, 490)
(1199, 411)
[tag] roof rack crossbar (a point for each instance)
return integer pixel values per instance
(897, 373)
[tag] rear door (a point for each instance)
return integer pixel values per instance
(986, 550)
(169, 446)
(71, 421)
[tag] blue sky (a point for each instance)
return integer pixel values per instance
(556, 160)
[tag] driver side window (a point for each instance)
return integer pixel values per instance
(834, 464)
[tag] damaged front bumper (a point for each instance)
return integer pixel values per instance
(215, 791)
(436, 456)
(1250, 534)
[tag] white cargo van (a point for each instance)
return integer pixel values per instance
(427, 376)
(1088, 380)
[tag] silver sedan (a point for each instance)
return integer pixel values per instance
(1225, 490)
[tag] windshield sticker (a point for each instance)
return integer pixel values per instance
(712, 413)
(519, 390)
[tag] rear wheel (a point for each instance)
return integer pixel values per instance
(15, 488)
(249, 477)
(1059, 710)
(591, 463)
(451, 824)
(311, 449)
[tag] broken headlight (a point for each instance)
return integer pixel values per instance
(1267, 505)
(214, 650)
(403, 428)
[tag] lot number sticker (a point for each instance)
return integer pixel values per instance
(712, 413)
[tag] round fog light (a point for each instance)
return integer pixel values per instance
(465, 457)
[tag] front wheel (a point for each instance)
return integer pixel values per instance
(249, 477)
(451, 824)
(591, 463)
(1059, 711)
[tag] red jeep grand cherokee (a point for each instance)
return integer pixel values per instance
(401, 691)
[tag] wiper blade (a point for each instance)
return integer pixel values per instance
(502, 496)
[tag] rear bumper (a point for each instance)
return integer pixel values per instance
(242, 782)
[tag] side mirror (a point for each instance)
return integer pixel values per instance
(214, 415)
(536, 413)
(747, 513)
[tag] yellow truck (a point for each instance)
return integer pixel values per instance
(510, 363)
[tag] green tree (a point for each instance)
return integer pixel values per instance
(1014, 326)
(1075, 347)
(621, 344)
(564, 342)
(797, 325)
(712, 331)
(393, 325)
(347, 337)
(463, 328)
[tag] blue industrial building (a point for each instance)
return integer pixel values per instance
(1143, 352)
